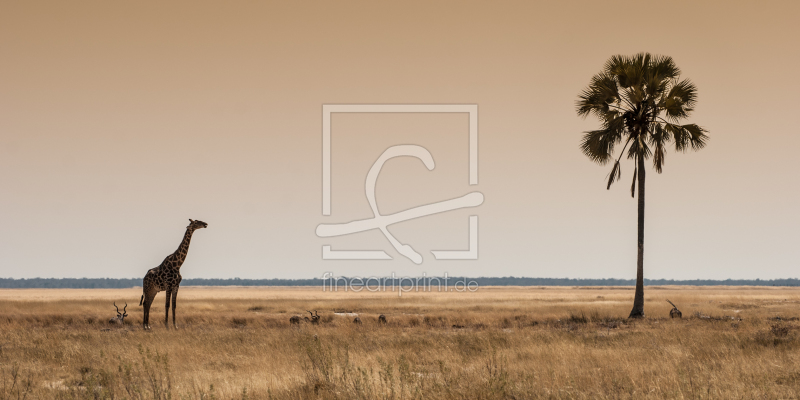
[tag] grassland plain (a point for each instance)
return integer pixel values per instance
(496, 343)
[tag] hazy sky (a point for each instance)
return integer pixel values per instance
(119, 121)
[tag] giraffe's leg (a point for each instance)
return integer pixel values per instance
(166, 316)
(150, 290)
(146, 310)
(146, 305)
(174, 303)
(148, 301)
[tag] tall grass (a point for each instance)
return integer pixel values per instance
(509, 343)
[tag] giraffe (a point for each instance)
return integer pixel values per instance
(167, 277)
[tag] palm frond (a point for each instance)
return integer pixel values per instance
(596, 98)
(634, 94)
(626, 70)
(615, 65)
(663, 68)
(686, 136)
(659, 134)
(633, 184)
(658, 139)
(599, 145)
(697, 136)
(615, 174)
(658, 156)
(679, 135)
(680, 100)
(633, 72)
(638, 149)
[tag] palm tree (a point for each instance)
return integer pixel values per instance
(640, 100)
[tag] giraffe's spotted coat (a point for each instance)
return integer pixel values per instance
(167, 277)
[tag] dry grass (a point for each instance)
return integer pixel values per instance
(513, 343)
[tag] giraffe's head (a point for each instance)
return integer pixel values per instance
(195, 224)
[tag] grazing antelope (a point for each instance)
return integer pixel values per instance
(381, 319)
(294, 320)
(674, 312)
(314, 318)
(119, 319)
(357, 321)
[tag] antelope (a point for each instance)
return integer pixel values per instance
(381, 319)
(314, 318)
(119, 319)
(294, 320)
(357, 321)
(674, 312)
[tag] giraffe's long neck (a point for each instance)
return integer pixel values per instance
(180, 254)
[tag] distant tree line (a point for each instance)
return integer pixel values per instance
(519, 281)
(113, 283)
(110, 283)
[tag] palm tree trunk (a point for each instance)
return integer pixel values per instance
(638, 299)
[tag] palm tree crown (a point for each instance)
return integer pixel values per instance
(641, 100)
